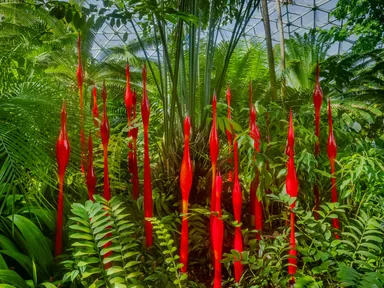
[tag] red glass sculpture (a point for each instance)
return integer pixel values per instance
(104, 131)
(62, 156)
(135, 173)
(237, 203)
(292, 251)
(147, 169)
(80, 80)
(95, 109)
(128, 99)
(317, 102)
(128, 94)
(229, 132)
(256, 204)
(214, 152)
(91, 177)
(292, 188)
(291, 140)
(332, 152)
(185, 185)
(218, 231)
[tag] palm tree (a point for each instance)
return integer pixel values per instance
(302, 54)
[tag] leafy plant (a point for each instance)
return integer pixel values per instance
(168, 249)
(349, 277)
(104, 247)
(26, 258)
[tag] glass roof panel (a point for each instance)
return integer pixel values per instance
(298, 16)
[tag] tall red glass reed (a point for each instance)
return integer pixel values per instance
(128, 99)
(292, 188)
(214, 152)
(237, 200)
(317, 102)
(91, 176)
(95, 111)
(104, 132)
(80, 80)
(135, 173)
(229, 133)
(145, 111)
(185, 185)
(218, 231)
(62, 156)
(256, 203)
(332, 153)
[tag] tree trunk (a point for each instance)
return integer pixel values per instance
(271, 61)
(282, 47)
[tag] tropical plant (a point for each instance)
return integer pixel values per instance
(361, 18)
(102, 234)
(26, 258)
(302, 54)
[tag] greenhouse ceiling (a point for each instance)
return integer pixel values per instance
(298, 16)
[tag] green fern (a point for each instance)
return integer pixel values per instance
(361, 242)
(349, 277)
(169, 249)
(104, 249)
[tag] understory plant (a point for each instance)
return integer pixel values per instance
(26, 258)
(104, 249)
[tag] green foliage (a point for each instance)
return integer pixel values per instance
(361, 243)
(23, 246)
(354, 258)
(349, 277)
(362, 18)
(168, 249)
(37, 72)
(354, 76)
(303, 52)
(104, 247)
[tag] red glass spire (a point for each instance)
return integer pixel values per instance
(91, 177)
(292, 260)
(214, 152)
(292, 188)
(128, 93)
(254, 130)
(229, 132)
(185, 185)
(256, 204)
(332, 152)
(95, 108)
(80, 80)
(62, 156)
(135, 174)
(237, 204)
(128, 99)
(104, 131)
(145, 110)
(291, 136)
(317, 102)
(218, 231)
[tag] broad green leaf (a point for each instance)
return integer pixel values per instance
(133, 275)
(131, 263)
(11, 277)
(35, 242)
(22, 259)
(47, 285)
(81, 236)
(114, 270)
